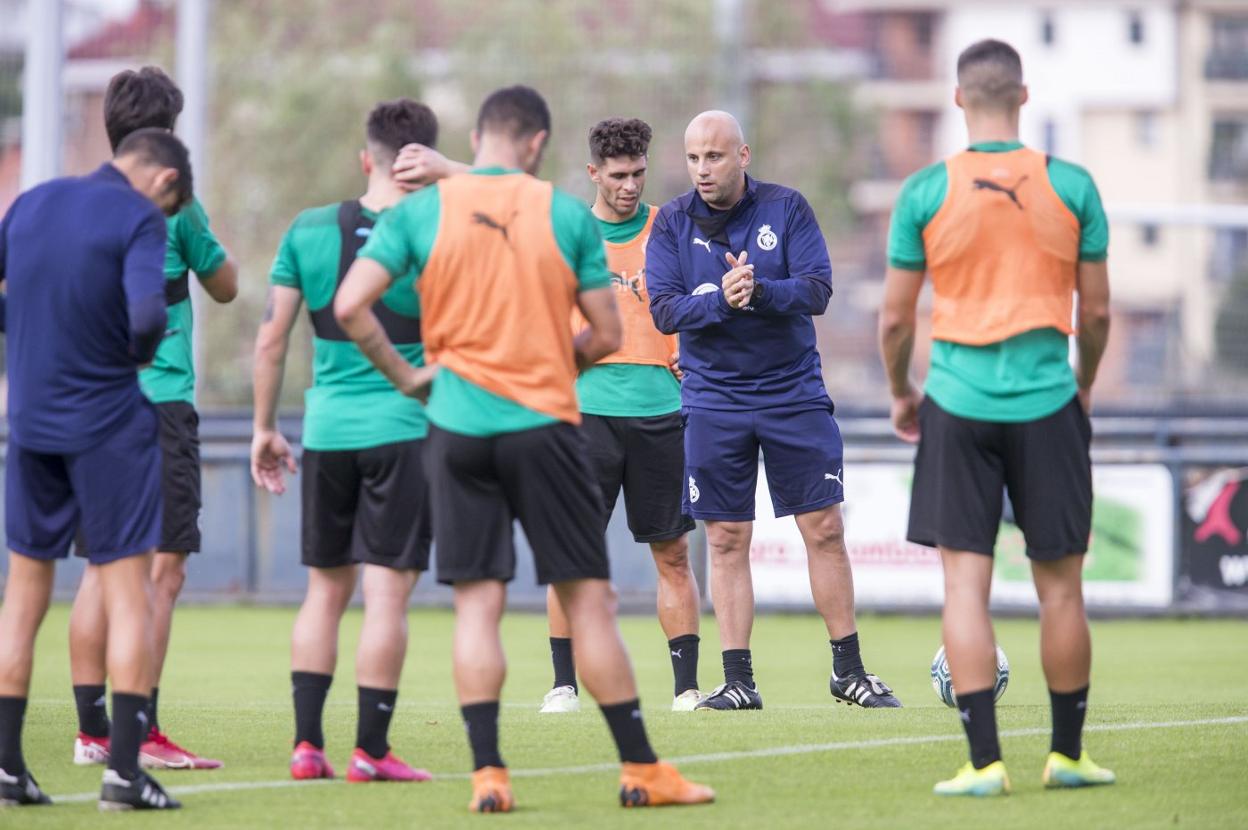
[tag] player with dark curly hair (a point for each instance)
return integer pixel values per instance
(630, 403)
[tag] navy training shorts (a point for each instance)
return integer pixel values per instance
(802, 455)
(110, 491)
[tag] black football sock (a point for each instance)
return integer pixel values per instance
(92, 710)
(151, 709)
(565, 667)
(373, 729)
(846, 659)
(310, 690)
(12, 715)
(624, 720)
(1069, 709)
(739, 666)
(130, 728)
(481, 723)
(979, 719)
(684, 653)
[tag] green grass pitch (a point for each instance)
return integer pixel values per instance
(1169, 713)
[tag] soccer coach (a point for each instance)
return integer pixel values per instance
(738, 267)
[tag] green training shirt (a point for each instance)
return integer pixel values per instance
(627, 390)
(191, 247)
(402, 242)
(1027, 376)
(351, 405)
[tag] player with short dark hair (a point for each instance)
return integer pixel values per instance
(753, 381)
(364, 499)
(142, 103)
(630, 403)
(501, 259)
(81, 262)
(1008, 235)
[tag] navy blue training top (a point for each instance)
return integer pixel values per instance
(77, 256)
(754, 358)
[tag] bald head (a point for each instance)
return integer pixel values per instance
(715, 124)
(717, 157)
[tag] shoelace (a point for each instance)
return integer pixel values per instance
(878, 686)
(161, 739)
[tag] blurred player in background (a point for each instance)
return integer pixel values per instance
(630, 403)
(753, 380)
(148, 98)
(1008, 235)
(501, 260)
(364, 498)
(85, 309)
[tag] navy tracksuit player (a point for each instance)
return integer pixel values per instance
(738, 267)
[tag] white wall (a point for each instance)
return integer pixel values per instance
(1091, 63)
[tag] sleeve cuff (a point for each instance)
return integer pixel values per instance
(216, 262)
(1093, 256)
(907, 264)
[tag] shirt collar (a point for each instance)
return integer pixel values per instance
(701, 208)
(109, 172)
(995, 146)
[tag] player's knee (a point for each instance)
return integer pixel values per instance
(728, 539)
(168, 576)
(671, 557)
(828, 534)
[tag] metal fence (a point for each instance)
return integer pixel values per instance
(1193, 467)
(841, 99)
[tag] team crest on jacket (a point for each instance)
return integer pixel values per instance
(766, 238)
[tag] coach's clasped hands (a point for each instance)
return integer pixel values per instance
(738, 283)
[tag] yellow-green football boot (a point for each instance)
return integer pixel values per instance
(989, 781)
(1060, 771)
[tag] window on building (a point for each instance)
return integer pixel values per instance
(926, 132)
(1135, 27)
(1230, 254)
(1228, 49)
(1048, 29)
(1147, 128)
(1050, 136)
(1149, 235)
(1228, 157)
(1148, 335)
(923, 26)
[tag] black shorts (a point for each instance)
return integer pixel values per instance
(178, 436)
(542, 477)
(963, 466)
(179, 477)
(369, 506)
(646, 457)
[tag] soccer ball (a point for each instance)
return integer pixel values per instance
(942, 680)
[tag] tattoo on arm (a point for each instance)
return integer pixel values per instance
(270, 306)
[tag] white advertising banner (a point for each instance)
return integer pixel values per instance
(1130, 558)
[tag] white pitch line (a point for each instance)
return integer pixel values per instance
(708, 758)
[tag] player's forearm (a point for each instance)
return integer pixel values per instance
(675, 312)
(268, 369)
(896, 348)
(592, 345)
(799, 295)
(365, 329)
(1093, 335)
(148, 318)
